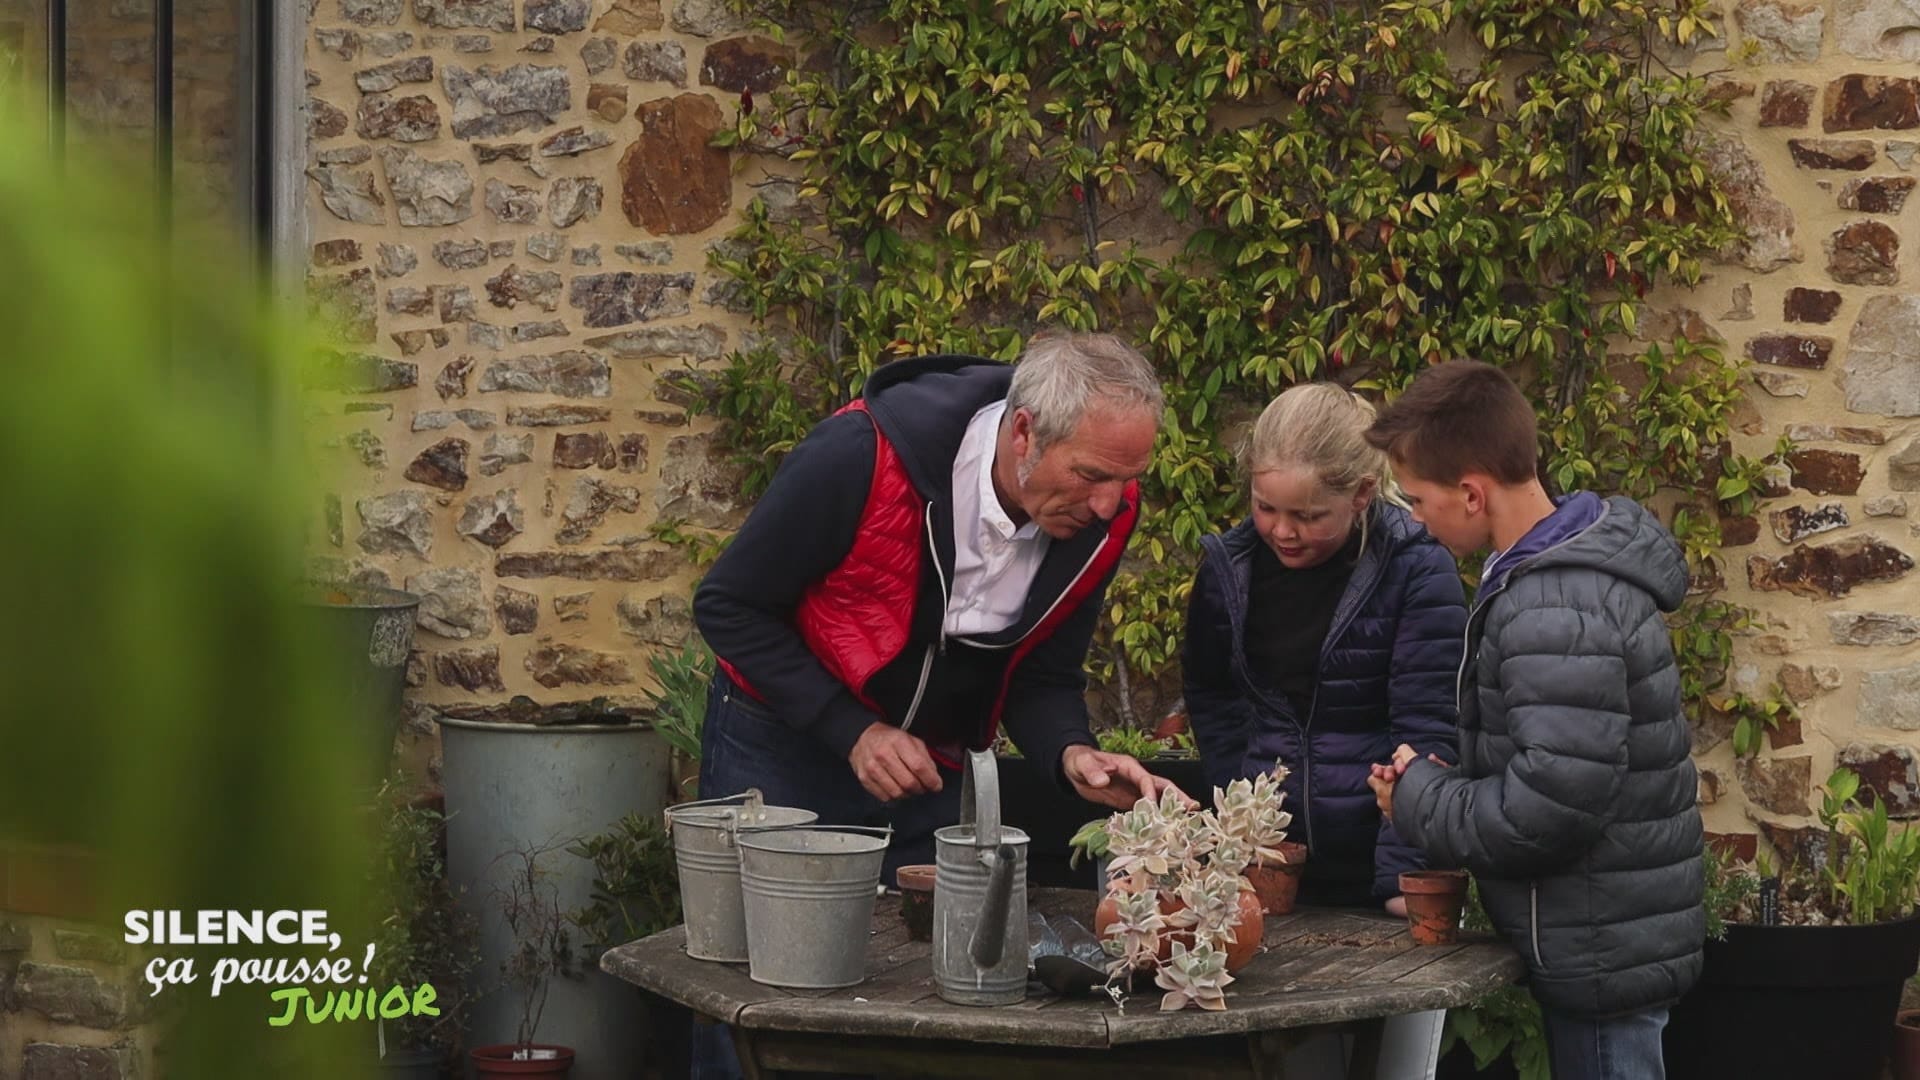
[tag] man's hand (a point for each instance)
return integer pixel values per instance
(1397, 907)
(892, 764)
(1382, 780)
(1114, 780)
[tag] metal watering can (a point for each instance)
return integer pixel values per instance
(980, 897)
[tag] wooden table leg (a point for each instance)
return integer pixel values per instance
(1267, 1053)
(749, 1056)
(1368, 1038)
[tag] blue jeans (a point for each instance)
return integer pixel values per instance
(744, 745)
(1617, 1048)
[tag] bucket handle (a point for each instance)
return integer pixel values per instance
(749, 801)
(883, 831)
(980, 802)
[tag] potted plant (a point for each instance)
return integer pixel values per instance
(1090, 845)
(542, 951)
(916, 898)
(1033, 800)
(1906, 1045)
(635, 894)
(636, 885)
(1821, 948)
(679, 701)
(420, 937)
(1178, 901)
(1501, 1036)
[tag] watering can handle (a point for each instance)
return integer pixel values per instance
(980, 801)
(990, 933)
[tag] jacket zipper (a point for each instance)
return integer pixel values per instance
(1313, 707)
(1306, 764)
(926, 661)
(1533, 923)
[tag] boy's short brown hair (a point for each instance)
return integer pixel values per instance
(1461, 417)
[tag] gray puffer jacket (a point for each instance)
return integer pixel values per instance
(1574, 801)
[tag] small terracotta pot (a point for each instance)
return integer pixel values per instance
(1277, 885)
(1906, 1045)
(1435, 899)
(498, 1061)
(916, 899)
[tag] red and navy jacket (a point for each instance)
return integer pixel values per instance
(829, 604)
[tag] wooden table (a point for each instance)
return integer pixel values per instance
(1318, 970)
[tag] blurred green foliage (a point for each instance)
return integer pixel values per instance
(161, 704)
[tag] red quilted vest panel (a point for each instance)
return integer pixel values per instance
(857, 618)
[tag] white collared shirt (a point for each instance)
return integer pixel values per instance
(994, 562)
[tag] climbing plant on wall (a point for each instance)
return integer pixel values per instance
(1257, 193)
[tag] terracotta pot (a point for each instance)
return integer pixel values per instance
(498, 1061)
(1906, 1045)
(1247, 930)
(1435, 899)
(916, 899)
(1279, 884)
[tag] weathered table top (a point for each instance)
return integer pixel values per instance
(1316, 967)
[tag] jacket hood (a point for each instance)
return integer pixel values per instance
(1616, 536)
(923, 405)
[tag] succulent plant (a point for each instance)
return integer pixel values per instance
(1166, 852)
(1134, 939)
(1249, 811)
(1196, 976)
(1212, 900)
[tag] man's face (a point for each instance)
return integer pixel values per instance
(1455, 514)
(1079, 480)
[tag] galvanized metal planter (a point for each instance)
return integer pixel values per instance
(518, 788)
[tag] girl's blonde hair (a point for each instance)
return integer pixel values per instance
(1320, 427)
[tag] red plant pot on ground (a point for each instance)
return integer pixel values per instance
(499, 1061)
(1906, 1045)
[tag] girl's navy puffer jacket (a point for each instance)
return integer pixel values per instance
(1387, 676)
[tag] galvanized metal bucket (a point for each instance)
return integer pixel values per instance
(808, 891)
(709, 863)
(980, 897)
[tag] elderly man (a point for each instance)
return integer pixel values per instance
(929, 564)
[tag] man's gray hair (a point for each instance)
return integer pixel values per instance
(1059, 375)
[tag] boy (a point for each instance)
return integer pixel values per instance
(1574, 802)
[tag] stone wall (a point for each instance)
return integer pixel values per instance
(512, 204)
(511, 207)
(73, 996)
(1818, 152)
